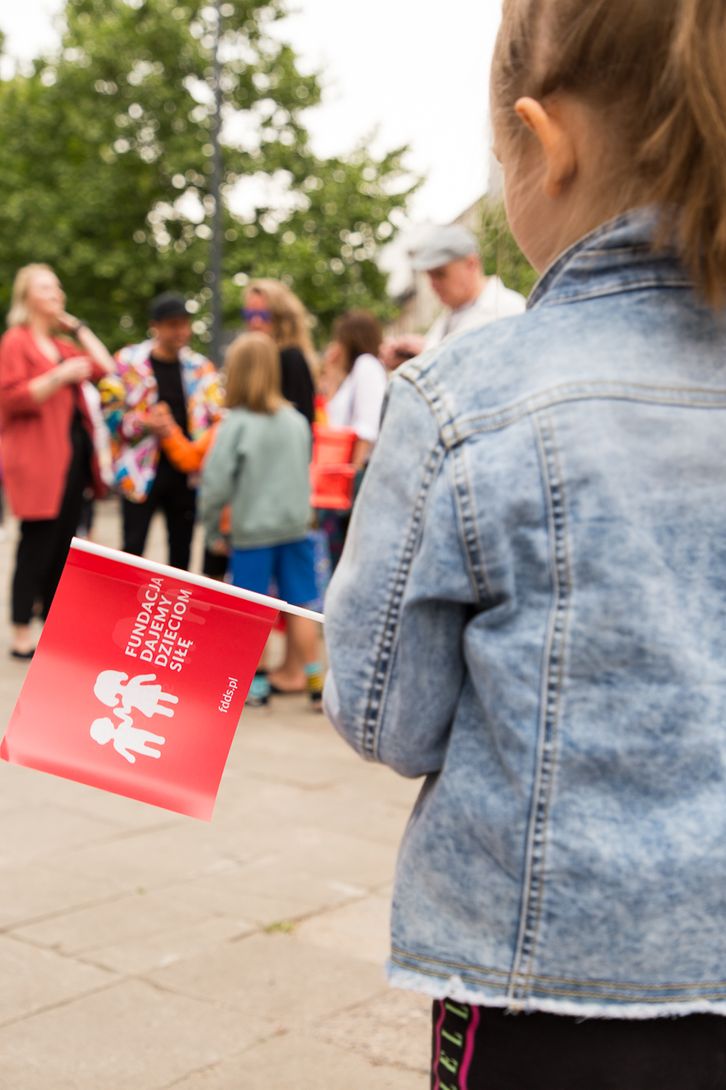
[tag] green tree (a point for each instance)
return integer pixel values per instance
(107, 163)
(326, 247)
(501, 256)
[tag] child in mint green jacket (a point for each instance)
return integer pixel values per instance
(259, 465)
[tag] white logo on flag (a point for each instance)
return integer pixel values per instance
(128, 740)
(137, 694)
(116, 690)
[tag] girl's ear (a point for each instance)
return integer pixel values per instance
(555, 144)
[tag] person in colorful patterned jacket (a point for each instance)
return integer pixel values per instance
(162, 369)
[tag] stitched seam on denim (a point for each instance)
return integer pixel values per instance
(563, 264)
(397, 951)
(482, 976)
(629, 251)
(620, 985)
(614, 993)
(501, 418)
(368, 735)
(463, 494)
(457, 430)
(565, 993)
(567, 261)
(435, 398)
(565, 566)
(429, 391)
(559, 297)
(549, 712)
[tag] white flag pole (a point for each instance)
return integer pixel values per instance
(196, 580)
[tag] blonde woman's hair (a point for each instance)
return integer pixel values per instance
(291, 322)
(252, 374)
(655, 69)
(18, 313)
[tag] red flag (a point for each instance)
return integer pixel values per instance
(139, 679)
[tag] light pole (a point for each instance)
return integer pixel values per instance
(215, 257)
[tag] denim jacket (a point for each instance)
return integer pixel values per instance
(531, 613)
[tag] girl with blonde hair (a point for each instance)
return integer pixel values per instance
(529, 611)
(271, 307)
(259, 465)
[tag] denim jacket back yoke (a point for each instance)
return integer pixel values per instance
(531, 613)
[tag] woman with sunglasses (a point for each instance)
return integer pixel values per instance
(270, 307)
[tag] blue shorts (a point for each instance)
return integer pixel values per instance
(291, 566)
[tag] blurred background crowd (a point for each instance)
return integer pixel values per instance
(235, 302)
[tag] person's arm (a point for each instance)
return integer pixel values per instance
(134, 425)
(219, 476)
(396, 351)
(186, 455)
(22, 395)
(102, 362)
(369, 390)
(397, 605)
(361, 453)
(70, 372)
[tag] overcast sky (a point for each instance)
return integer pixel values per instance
(416, 72)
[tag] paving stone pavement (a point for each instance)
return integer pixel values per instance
(140, 949)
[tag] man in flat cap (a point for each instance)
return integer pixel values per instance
(160, 370)
(449, 255)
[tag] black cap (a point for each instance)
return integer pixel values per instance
(168, 305)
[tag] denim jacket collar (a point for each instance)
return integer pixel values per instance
(618, 256)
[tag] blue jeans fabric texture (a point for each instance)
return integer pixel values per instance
(291, 566)
(529, 613)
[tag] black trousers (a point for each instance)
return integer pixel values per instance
(44, 543)
(172, 495)
(483, 1048)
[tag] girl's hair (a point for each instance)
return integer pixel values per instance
(18, 313)
(291, 322)
(357, 332)
(252, 374)
(656, 70)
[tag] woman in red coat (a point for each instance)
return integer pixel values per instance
(46, 435)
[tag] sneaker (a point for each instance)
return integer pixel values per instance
(259, 693)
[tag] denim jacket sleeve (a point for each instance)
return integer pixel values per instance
(399, 599)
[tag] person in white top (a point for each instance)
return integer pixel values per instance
(450, 257)
(352, 356)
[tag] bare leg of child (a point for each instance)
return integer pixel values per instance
(290, 675)
(304, 643)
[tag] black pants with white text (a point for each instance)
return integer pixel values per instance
(485, 1048)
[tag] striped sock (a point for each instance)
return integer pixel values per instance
(314, 681)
